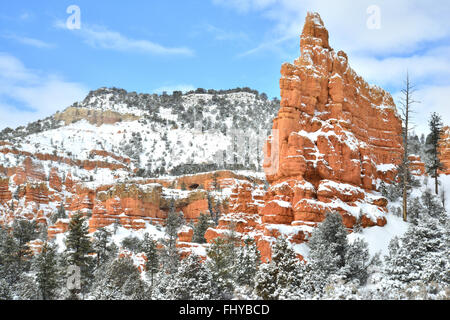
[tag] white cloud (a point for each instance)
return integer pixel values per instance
(405, 24)
(29, 41)
(432, 99)
(102, 37)
(414, 36)
(170, 89)
(28, 95)
(223, 35)
(431, 66)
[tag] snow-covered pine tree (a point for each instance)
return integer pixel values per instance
(328, 244)
(247, 264)
(432, 206)
(435, 164)
(169, 256)
(149, 247)
(24, 231)
(78, 247)
(200, 228)
(420, 255)
(278, 276)
(193, 281)
(220, 264)
(121, 281)
(103, 247)
(47, 274)
(357, 261)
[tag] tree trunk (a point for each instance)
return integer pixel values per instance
(436, 183)
(405, 210)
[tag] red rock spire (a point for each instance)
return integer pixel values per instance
(314, 32)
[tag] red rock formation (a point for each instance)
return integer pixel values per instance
(60, 226)
(185, 234)
(54, 180)
(444, 150)
(37, 193)
(333, 137)
(29, 171)
(5, 194)
(416, 165)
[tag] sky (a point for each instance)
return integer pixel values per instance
(51, 57)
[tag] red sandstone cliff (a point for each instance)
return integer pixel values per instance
(334, 137)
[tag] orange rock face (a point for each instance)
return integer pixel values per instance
(5, 194)
(444, 150)
(334, 136)
(416, 165)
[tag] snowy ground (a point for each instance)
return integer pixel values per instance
(378, 238)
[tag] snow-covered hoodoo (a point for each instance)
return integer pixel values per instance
(335, 137)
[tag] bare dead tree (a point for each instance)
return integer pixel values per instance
(406, 103)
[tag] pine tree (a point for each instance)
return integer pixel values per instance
(5, 290)
(276, 277)
(149, 247)
(9, 261)
(220, 266)
(170, 257)
(77, 242)
(24, 231)
(200, 228)
(416, 210)
(433, 140)
(120, 281)
(328, 243)
(432, 206)
(102, 246)
(357, 261)
(420, 255)
(173, 224)
(78, 247)
(192, 281)
(47, 272)
(247, 263)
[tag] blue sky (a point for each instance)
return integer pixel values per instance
(151, 46)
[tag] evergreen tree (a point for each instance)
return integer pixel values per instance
(170, 257)
(9, 262)
(328, 244)
(420, 255)
(433, 140)
(5, 290)
(220, 266)
(149, 247)
(200, 228)
(432, 206)
(47, 272)
(247, 263)
(121, 281)
(416, 210)
(103, 247)
(24, 231)
(173, 224)
(192, 281)
(78, 248)
(357, 261)
(278, 276)
(132, 243)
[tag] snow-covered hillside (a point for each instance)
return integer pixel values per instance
(160, 134)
